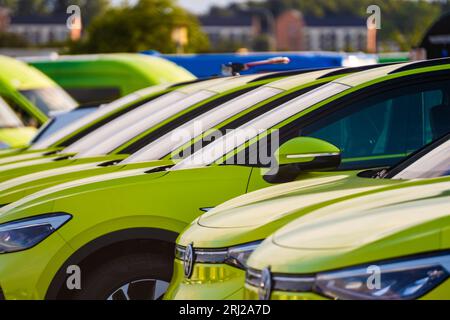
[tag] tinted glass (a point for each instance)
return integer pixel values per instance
(434, 164)
(50, 100)
(191, 129)
(219, 148)
(62, 121)
(8, 119)
(385, 128)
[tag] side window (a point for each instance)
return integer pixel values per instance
(88, 96)
(383, 129)
(26, 118)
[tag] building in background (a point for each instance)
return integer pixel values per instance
(42, 30)
(335, 33)
(293, 31)
(240, 30)
(4, 19)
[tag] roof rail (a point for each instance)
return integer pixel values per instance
(344, 70)
(422, 64)
(286, 74)
(193, 81)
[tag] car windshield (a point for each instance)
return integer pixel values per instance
(61, 121)
(194, 128)
(123, 129)
(50, 100)
(8, 119)
(222, 146)
(104, 110)
(432, 164)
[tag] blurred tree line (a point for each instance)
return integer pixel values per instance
(148, 24)
(131, 26)
(403, 22)
(90, 8)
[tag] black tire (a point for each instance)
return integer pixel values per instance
(137, 269)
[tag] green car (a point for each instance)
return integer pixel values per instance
(391, 244)
(222, 240)
(120, 228)
(127, 134)
(30, 93)
(103, 78)
(157, 118)
(26, 177)
(13, 133)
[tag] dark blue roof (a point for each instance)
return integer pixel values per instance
(207, 65)
(39, 19)
(335, 21)
(229, 21)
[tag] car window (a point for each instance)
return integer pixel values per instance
(96, 119)
(135, 122)
(195, 127)
(222, 146)
(8, 119)
(50, 100)
(27, 118)
(385, 128)
(433, 164)
(95, 95)
(60, 122)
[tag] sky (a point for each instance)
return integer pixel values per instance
(201, 6)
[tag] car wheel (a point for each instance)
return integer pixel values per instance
(130, 277)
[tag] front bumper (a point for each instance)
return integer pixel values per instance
(208, 282)
(252, 293)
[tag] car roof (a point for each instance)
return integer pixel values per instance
(384, 71)
(21, 76)
(153, 68)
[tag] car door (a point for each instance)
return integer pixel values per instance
(378, 129)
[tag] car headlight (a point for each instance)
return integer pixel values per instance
(236, 256)
(405, 279)
(24, 234)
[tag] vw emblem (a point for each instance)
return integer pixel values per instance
(265, 288)
(189, 256)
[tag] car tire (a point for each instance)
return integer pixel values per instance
(137, 276)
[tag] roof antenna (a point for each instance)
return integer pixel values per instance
(235, 68)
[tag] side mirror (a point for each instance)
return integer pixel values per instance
(303, 154)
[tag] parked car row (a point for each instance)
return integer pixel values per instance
(257, 186)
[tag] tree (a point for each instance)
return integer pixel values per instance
(12, 40)
(147, 25)
(404, 22)
(89, 8)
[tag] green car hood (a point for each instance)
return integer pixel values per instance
(47, 198)
(27, 156)
(14, 189)
(408, 219)
(255, 216)
(18, 169)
